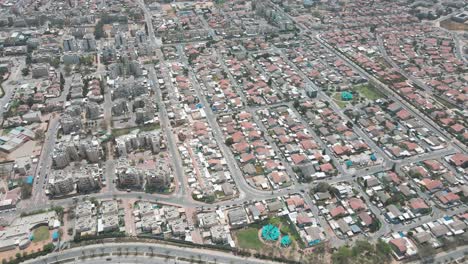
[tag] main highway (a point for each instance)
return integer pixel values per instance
(138, 252)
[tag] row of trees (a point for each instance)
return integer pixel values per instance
(99, 30)
(20, 258)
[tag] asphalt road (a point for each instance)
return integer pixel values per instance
(10, 85)
(170, 138)
(45, 160)
(181, 190)
(135, 252)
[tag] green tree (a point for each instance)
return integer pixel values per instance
(362, 247)
(28, 59)
(322, 187)
(270, 82)
(85, 88)
(87, 60)
(59, 210)
(229, 141)
(39, 134)
(296, 104)
(48, 247)
(94, 201)
(383, 248)
(374, 226)
(99, 30)
(26, 191)
(62, 81)
(2, 72)
(25, 71)
(342, 256)
(55, 62)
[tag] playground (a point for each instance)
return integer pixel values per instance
(355, 94)
(271, 237)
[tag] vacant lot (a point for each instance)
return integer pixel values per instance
(124, 131)
(369, 92)
(452, 25)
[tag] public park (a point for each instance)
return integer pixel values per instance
(354, 95)
(274, 236)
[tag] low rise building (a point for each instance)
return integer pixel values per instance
(40, 70)
(219, 234)
(238, 217)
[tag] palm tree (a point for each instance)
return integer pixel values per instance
(166, 253)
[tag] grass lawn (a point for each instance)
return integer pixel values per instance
(369, 92)
(274, 221)
(338, 101)
(121, 131)
(6, 131)
(286, 228)
(149, 127)
(41, 234)
(248, 238)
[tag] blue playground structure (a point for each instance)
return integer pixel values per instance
(285, 241)
(270, 233)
